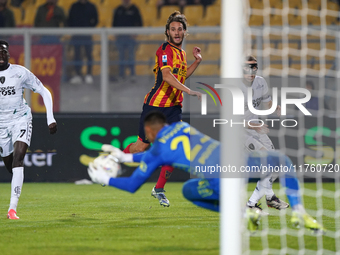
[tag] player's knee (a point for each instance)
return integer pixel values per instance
(9, 169)
(18, 160)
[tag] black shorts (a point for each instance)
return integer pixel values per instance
(172, 114)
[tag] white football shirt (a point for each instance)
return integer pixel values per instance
(13, 81)
(260, 94)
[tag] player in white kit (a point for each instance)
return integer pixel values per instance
(256, 137)
(16, 120)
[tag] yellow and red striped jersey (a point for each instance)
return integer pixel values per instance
(162, 94)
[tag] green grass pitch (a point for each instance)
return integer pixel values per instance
(89, 219)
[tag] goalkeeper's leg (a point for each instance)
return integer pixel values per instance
(203, 192)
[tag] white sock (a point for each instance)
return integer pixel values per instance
(257, 195)
(267, 183)
(16, 186)
(299, 208)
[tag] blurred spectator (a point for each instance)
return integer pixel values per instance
(6, 15)
(82, 14)
(50, 15)
(126, 15)
(16, 3)
(180, 3)
(313, 103)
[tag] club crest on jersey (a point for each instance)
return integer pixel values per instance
(2, 79)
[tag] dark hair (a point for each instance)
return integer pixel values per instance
(250, 58)
(176, 16)
(2, 42)
(154, 117)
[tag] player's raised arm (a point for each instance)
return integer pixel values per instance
(198, 58)
(169, 78)
(131, 184)
(121, 156)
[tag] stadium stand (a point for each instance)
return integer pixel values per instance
(198, 15)
(96, 2)
(111, 4)
(217, 3)
(29, 15)
(18, 15)
(213, 51)
(190, 46)
(194, 14)
(37, 3)
(208, 70)
(212, 16)
(256, 20)
(148, 12)
(146, 52)
(256, 4)
(164, 14)
(105, 16)
(294, 20)
(151, 2)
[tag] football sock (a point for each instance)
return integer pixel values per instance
(164, 176)
(257, 194)
(299, 208)
(127, 149)
(16, 186)
(267, 184)
(292, 189)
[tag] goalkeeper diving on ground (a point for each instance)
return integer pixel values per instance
(172, 146)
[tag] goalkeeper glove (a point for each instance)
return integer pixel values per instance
(117, 153)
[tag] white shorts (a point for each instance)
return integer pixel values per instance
(255, 141)
(21, 130)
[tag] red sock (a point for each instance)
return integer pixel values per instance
(164, 176)
(127, 149)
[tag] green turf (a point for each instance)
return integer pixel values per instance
(71, 219)
(311, 241)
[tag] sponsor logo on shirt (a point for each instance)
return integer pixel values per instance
(7, 91)
(165, 59)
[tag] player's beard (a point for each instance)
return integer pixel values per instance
(173, 41)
